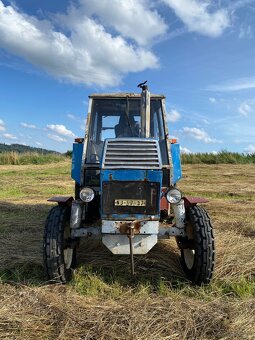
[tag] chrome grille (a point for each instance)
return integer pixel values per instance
(131, 153)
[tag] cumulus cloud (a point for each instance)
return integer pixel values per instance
(61, 130)
(56, 138)
(173, 116)
(198, 17)
(250, 149)
(88, 53)
(2, 125)
(245, 108)
(29, 126)
(185, 150)
(127, 18)
(38, 143)
(9, 136)
(199, 134)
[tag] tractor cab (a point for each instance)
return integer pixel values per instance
(125, 171)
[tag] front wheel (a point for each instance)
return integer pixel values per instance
(59, 250)
(198, 251)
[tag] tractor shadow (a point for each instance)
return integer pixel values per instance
(21, 237)
(161, 264)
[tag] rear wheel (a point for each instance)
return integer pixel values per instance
(198, 250)
(59, 250)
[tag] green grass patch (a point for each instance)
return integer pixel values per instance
(223, 157)
(28, 273)
(105, 283)
(15, 158)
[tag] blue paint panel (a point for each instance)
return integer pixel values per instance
(131, 175)
(76, 162)
(176, 159)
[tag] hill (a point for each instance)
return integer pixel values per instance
(23, 148)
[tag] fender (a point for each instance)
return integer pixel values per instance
(191, 201)
(61, 200)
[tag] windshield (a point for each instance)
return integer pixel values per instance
(116, 118)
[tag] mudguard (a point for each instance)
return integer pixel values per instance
(191, 201)
(61, 200)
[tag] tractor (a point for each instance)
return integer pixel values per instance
(126, 169)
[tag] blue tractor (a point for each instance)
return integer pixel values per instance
(126, 170)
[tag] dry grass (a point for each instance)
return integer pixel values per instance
(18, 158)
(102, 302)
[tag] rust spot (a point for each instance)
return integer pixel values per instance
(124, 227)
(110, 177)
(137, 227)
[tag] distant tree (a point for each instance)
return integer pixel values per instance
(23, 148)
(68, 153)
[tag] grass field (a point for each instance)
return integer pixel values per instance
(102, 301)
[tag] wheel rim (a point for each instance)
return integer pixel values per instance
(68, 257)
(189, 257)
(68, 252)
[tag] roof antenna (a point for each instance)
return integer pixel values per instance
(143, 86)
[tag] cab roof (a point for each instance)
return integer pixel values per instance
(123, 95)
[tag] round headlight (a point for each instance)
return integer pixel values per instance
(87, 194)
(173, 196)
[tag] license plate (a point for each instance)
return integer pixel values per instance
(130, 203)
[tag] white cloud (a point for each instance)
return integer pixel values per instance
(250, 149)
(198, 17)
(56, 138)
(199, 134)
(212, 100)
(71, 116)
(234, 85)
(74, 118)
(9, 136)
(127, 18)
(38, 143)
(185, 150)
(215, 152)
(29, 126)
(245, 108)
(2, 125)
(245, 32)
(173, 116)
(87, 54)
(61, 130)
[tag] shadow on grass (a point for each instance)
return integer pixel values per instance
(161, 264)
(21, 237)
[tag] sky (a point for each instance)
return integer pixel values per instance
(199, 53)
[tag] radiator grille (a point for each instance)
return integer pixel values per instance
(131, 154)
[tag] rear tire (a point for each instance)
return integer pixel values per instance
(198, 256)
(59, 256)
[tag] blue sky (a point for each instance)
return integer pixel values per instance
(200, 54)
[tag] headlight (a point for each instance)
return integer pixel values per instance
(87, 194)
(173, 196)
